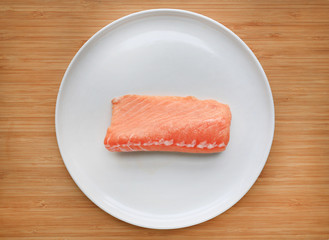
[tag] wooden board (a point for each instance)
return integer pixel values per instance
(39, 200)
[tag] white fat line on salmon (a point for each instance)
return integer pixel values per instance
(128, 146)
(192, 144)
(136, 106)
(204, 144)
(129, 143)
(108, 139)
(140, 146)
(114, 148)
(123, 150)
(149, 143)
(168, 143)
(211, 120)
(189, 145)
(222, 145)
(201, 145)
(160, 142)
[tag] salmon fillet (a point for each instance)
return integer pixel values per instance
(162, 123)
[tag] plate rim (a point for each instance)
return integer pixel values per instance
(138, 221)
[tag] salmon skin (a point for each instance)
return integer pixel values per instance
(167, 123)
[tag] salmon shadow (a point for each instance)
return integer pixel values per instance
(192, 156)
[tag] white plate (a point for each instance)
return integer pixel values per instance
(164, 52)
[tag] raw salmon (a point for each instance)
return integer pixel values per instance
(177, 124)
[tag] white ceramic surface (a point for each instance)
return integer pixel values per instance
(164, 52)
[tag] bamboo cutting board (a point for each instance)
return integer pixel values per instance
(38, 198)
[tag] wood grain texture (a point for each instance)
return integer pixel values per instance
(39, 200)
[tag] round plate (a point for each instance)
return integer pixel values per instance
(164, 52)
